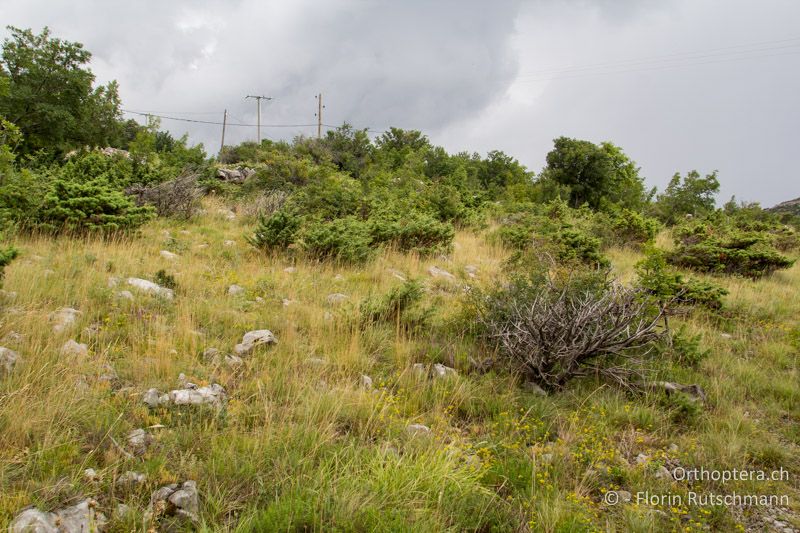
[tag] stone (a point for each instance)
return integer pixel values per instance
(64, 319)
(153, 398)
(337, 298)
(228, 242)
(139, 440)
(396, 273)
(338, 277)
(419, 370)
(695, 392)
(78, 518)
(624, 496)
(286, 302)
(227, 213)
(437, 272)
(92, 329)
(673, 448)
(151, 288)
(234, 175)
(442, 371)
(107, 373)
(176, 500)
(235, 290)
(131, 479)
(365, 381)
(125, 295)
(252, 339)
(233, 361)
(534, 388)
(471, 270)
(726, 335)
(641, 459)
(73, 348)
(113, 281)
(122, 511)
(290, 270)
(8, 359)
(210, 354)
(169, 256)
(11, 295)
(13, 337)
(663, 473)
(418, 429)
(213, 395)
(259, 300)
(90, 475)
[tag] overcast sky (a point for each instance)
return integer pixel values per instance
(679, 84)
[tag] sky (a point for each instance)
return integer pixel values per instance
(678, 84)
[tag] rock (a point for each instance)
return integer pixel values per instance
(695, 392)
(726, 335)
(90, 475)
(437, 272)
(64, 319)
(13, 337)
(107, 373)
(131, 479)
(290, 270)
(471, 270)
(210, 354)
(78, 518)
(8, 359)
(227, 213)
(10, 295)
(122, 511)
(624, 496)
(673, 448)
(151, 288)
(663, 473)
(286, 302)
(337, 298)
(418, 429)
(234, 175)
(125, 295)
(113, 281)
(530, 386)
(202, 246)
(92, 329)
(176, 500)
(212, 395)
(153, 398)
(138, 441)
(252, 339)
(419, 370)
(233, 361)
(442, 371)
(73, 348)
(169, 256)
(259, 300)
(546, 458)
(327, 316)
(338, 277)
(228, 242)
(47, 273)
(235, 290)
(366, 382)
(641, 459)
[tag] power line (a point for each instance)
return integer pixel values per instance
(181, 119)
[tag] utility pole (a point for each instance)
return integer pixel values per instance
(258, 104)
(320, 107)
(224, 122)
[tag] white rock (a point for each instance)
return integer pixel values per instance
(624, 496)
(71, 347)
(185, 232)
(229, 243)
(90, 475)
(437, 272)
(233, 361)
(290, 270)
(8, 359)
(251, 339)
(151, 288)
(212, 395)
(131, 478)
(286, 302)
(169, 256)
(418, 429)
(113, 281)
(182, 497)
(210, 354)
(396, 273)
(64, 318)
(336, 298)
(153, 398)
(442, 371)
(530, 386)
(419, 369)
(471, 270)
(227, 213)
(641, 459)
(107, 373)
(663, 473)
(13, 336)
(726, 335)
(8, 295)
(125, 295)
(139, 440)
(366, 382)
(78, 518)
(122, 510)
(235, 290)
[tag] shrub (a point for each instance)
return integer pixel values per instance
(165, 279)
(6, 256)
(671, 288)
(330, 197)
(399, 305)
(412, 232)
(276, 231)
(344, 239)
(632, 228)
(553, 330)
(177, 198)
(573, 245)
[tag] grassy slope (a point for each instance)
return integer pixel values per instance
(302, 444)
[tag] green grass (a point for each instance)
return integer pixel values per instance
(301, 446)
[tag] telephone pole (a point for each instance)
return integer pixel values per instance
(224, 122)
(320, 107)
(258, 104)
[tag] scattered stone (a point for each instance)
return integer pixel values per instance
(259, 300)
(152, 288)
(202, 246)
(64, 319)
(418, 429)
(122, 510)
(92, 329)
(726, 335)
(233, 361)
(338, 277)
(624, 496)
(442, 371)
(227, 213)
(8, 359)
(337, 298)
(125, 295)
(546, 458)
(113, 281)
(252, 339)
(366, 382)
(663, 473)
(211, 395)
(235, 290)
(471, 270)
(13, 337)
(437, 272)
(90, 475)
(74, 519)
(107, 373)
(139, 440)
(286, 302)
(228, 243)
(210, 354)
(534, 388)
(169, 256)
(176, 500)
(328, 316)
(73, 348)
(642, 459)
(673, 448)
(419, 369)
(234, 175)
(130, 479)
(153, 398)
(290, 270)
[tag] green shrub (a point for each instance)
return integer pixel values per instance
(670, 286)
(165, 279)
(329, 197)
(573, 245)
(400, 305)
(276, 231)
(632, 228)
(412, 232)
(344, 239)
(6, 256)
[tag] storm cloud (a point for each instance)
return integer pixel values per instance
(679, 84)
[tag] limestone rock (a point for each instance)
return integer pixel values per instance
(151, 288)
(252, 339)
(396, 273)
(8, 359)
(212, 395)
(125, 295)
(471, 270)
(290, 270)
(139, 440)
(337, 298)
(419, 370)
(131, 479)
(695, 392)
(90, 475)
(235, 290)
(418, 429)
(176, 500)
(228, 242)
(366, 382)
(442, 371)
(437, 272)
(73, 348)
(64, 319)
(530, 386)
(78, 518)
(169, 256)
(153, 398)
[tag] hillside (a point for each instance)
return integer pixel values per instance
(324, 429)
(790, 207)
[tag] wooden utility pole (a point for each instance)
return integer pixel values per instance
(224, 122)
(258, 105)
(319, 115)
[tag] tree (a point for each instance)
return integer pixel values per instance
(692, 195)
(598, 175)
(499, 170)
(350, 149)
(397, 144)
(50, 94)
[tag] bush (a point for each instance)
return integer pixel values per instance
(177, 198)
(400, 305)
(344, 239)
(6, 256)
(632, 228)
(552, 330)
(671, 288)
(276, 231)
(412, 232)
(573, 245)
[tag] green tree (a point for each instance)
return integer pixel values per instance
(396, 145)
(50, 94)
(692, 195)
